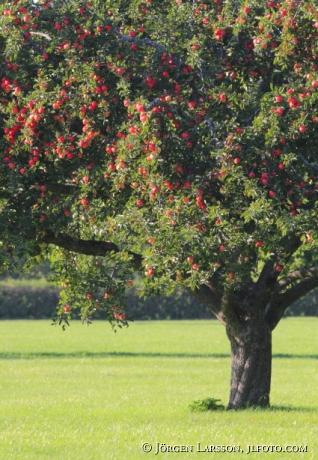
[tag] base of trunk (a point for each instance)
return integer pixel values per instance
(251, 353)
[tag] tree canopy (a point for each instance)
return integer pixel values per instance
(176, 138)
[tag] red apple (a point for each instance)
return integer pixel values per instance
(279, 98)
(120, 316)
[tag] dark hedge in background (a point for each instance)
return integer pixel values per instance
(40, 303)
(26, 302)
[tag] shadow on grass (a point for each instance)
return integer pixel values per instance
(282, 408)
(106, 354)
(211, 405)
(275, 408)
(128, 354)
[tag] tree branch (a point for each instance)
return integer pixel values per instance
(268, 276)
(88, 247)
(145, 41)
(267, 280)
(127, 38)
(296, 275)
(42, 35)
(66, 189)
(211, 127)
(207, 297)
(33, 45)
(277, 307)
(307, 162)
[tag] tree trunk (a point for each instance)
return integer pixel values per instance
(251, 350)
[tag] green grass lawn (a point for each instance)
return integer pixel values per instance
(88, 393)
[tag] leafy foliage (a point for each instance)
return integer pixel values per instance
(206, 405)
(181, 131)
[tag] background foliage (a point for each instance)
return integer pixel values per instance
(32, 297)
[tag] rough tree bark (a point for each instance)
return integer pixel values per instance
(251, 354)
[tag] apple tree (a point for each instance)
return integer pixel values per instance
(173, 138)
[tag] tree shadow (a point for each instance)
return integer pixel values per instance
(283, 408)
(275, 408)
(128, 354)
(288, 356)
(106, 354)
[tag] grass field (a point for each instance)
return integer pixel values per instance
(90, 394)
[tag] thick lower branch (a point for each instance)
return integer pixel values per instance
(208, 298)
(267, 280)
(88, 247)
(300, 273)
(277, 307)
